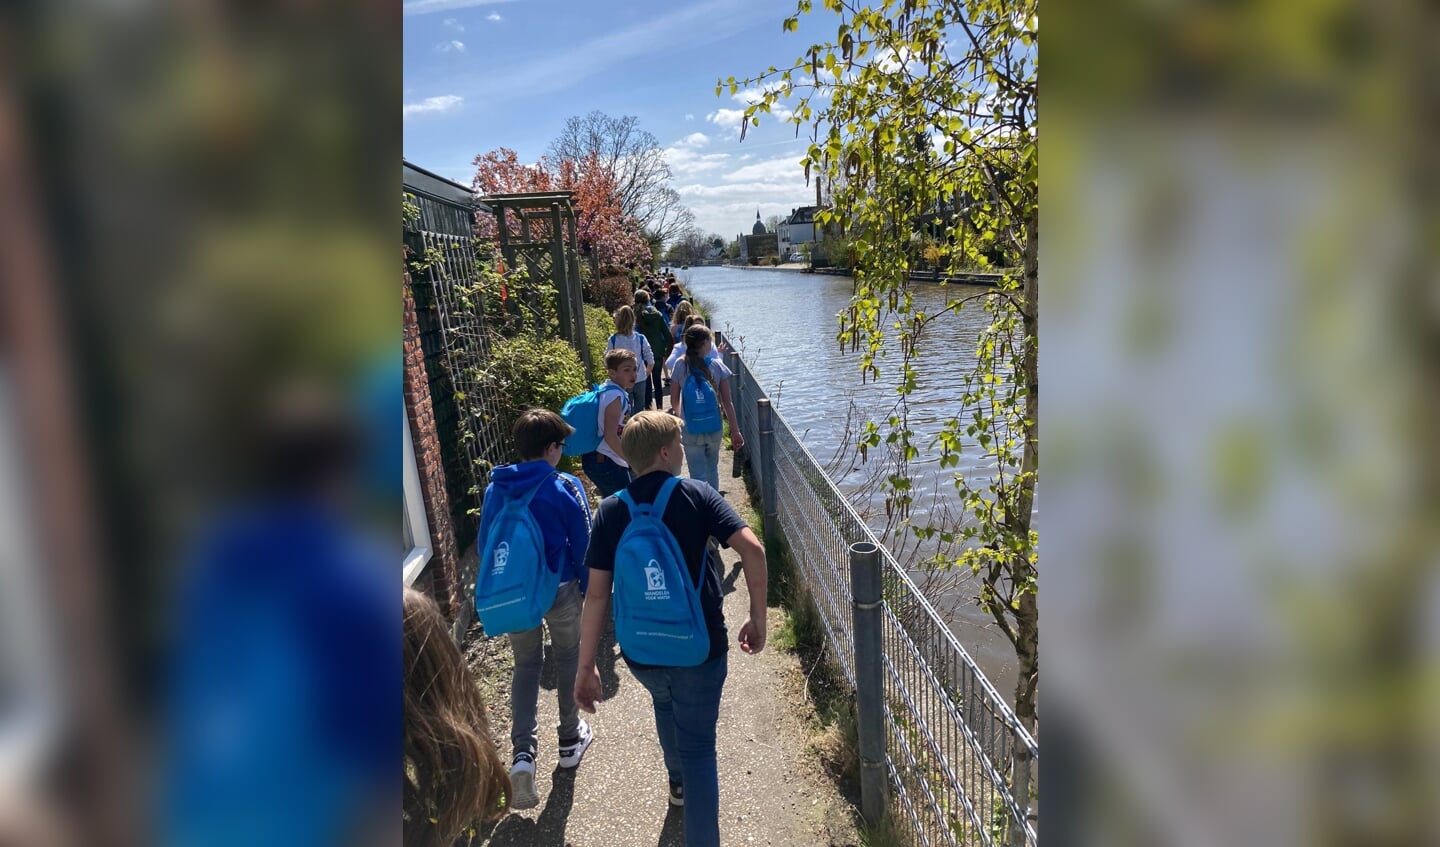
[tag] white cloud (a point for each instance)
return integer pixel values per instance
(428, 7)
(747, 96)
(451, 23)
(689, 116)
(694, 139)
(726, 118)
(686, 162)
(450, 47)
(782, 171)
(443, 103)
(733, 118)
(724, 200)
(494, 17)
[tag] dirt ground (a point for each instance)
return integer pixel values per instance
(773, 787)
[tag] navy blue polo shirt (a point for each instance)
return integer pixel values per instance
(694, 514)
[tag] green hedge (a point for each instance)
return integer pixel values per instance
(598, 328)
(522, 373)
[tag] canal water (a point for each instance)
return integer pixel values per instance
(784, 323)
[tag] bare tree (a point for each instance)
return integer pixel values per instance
(692, 245)
(634, 158)
(772, 223)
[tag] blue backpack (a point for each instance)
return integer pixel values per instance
(699, 405)
(515, 586)
(658, 620)
(582, 413)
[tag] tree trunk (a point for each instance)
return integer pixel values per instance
(1027, 617)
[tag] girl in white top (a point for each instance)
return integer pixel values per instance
(626, 338)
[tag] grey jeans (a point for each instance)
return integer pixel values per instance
(528, 646)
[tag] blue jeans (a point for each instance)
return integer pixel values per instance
(528, 646)
(602, 470)
(687, 708)
(640, 395)
(702, 454)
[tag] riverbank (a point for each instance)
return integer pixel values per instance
(986, 279)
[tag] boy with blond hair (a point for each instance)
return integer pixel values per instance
(686, 699)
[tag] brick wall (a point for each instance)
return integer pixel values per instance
(429, 460)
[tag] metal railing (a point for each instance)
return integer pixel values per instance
(960, 765)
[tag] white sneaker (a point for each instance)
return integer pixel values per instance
(522, 782)
(571, 753)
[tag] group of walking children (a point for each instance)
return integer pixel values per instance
(647, 562)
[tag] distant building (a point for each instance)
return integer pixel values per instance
(760, 243)
(799, 228)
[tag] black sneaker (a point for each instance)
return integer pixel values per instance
(677, 794)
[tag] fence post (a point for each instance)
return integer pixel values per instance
(767, 468)
(869, 680)
(560, 276)
(737, 390)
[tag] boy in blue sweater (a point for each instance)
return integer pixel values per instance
(562, 512)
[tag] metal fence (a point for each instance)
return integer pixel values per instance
(961, 767)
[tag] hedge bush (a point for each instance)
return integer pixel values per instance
(598, 327)
(612, 292)
(524, 372)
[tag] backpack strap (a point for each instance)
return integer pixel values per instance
(624, 397)
(530, 495)
(663, 498)
(656, 507)
(572, 485)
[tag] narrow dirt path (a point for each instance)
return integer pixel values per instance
(773, 791)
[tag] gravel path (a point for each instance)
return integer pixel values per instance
(773, 790)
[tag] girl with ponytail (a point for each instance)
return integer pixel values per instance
(700, 390)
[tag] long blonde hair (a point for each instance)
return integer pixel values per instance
(454, 776)
(682, 311)
(624, 320)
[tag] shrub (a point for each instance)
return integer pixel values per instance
(612, 292)
(523, 372)
(598, 326)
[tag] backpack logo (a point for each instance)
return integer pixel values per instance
(654, 577)
(658, 618)
(502, 555)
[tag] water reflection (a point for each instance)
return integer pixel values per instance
(785, 323)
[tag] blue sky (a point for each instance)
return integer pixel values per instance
(481, 74)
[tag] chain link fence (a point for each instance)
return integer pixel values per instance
(961, 767)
